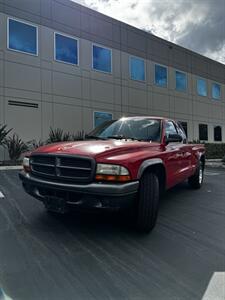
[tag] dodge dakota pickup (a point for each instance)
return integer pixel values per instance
(125, 163)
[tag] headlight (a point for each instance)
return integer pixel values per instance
(111, 169)
(107, 172)
(26, 164)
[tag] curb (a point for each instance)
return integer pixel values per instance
(5, 168)
(215, 165)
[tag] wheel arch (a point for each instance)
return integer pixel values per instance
(156, 166)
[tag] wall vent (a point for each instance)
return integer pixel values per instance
(24, 104)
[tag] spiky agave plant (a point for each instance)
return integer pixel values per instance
(3, 133)
(34, 144)
(15, 147)
(79, 136)
(58, 135)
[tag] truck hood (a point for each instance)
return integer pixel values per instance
(95, 149)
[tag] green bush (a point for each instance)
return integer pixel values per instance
(15, 147)
(79, 136)
(214, 150)
(34, 144)
(3, 133)
(58, 135)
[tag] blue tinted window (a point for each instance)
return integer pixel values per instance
(201, 87)
(160, 75)
(181, 81)
(66, 49)
(216, 91)
(101, 117)
(137, 68)
(102, 59)
(22, 37)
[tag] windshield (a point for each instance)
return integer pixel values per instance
(142, 129)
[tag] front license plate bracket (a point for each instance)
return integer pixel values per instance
(55, 204)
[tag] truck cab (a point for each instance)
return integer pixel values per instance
(125, 163)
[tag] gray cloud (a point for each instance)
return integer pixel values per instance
(198, 25)
(207, 36)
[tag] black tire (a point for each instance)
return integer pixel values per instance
(196, 180)
(148, 201)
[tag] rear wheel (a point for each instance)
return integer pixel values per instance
(196, 180)
(148, 201)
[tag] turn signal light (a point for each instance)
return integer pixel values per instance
(27, 169)
(117, 178)
(26, 164)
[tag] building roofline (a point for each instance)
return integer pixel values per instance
(144, 32)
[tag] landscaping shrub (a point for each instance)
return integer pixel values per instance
(32, 145)
(3, 134)
(215, 150)
(15, 147)
(79, 136)
(58, 135)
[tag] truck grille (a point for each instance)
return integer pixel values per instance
(63, 167)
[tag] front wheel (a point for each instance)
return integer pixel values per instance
(196, 180)
(148, 201)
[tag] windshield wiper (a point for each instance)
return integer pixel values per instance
(121, 137)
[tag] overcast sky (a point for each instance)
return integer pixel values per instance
(195, 24)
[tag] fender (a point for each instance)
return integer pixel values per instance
(199, 155)
(149, 162)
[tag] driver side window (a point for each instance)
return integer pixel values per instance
(170, 128)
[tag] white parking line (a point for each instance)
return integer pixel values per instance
(3, 296)
(1, 195)
(216, 288)
(5, 168)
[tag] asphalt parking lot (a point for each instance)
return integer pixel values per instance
(83, 256)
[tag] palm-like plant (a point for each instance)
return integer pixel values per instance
(58, 135)
(79, 136)
(15, 147)
(34, 144)
(3, 134)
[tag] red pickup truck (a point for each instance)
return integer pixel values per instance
(122, 163)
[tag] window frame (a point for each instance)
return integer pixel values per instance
(97, 111)
(26, 23)
(145, 69)
(174, 124)
(78, 48)
(167, 81)
(213, 98)
(201, 78)
(186, 75)
(92, 57)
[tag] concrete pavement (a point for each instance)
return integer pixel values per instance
(84, 256)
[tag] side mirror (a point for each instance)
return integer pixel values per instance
(173, 138)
